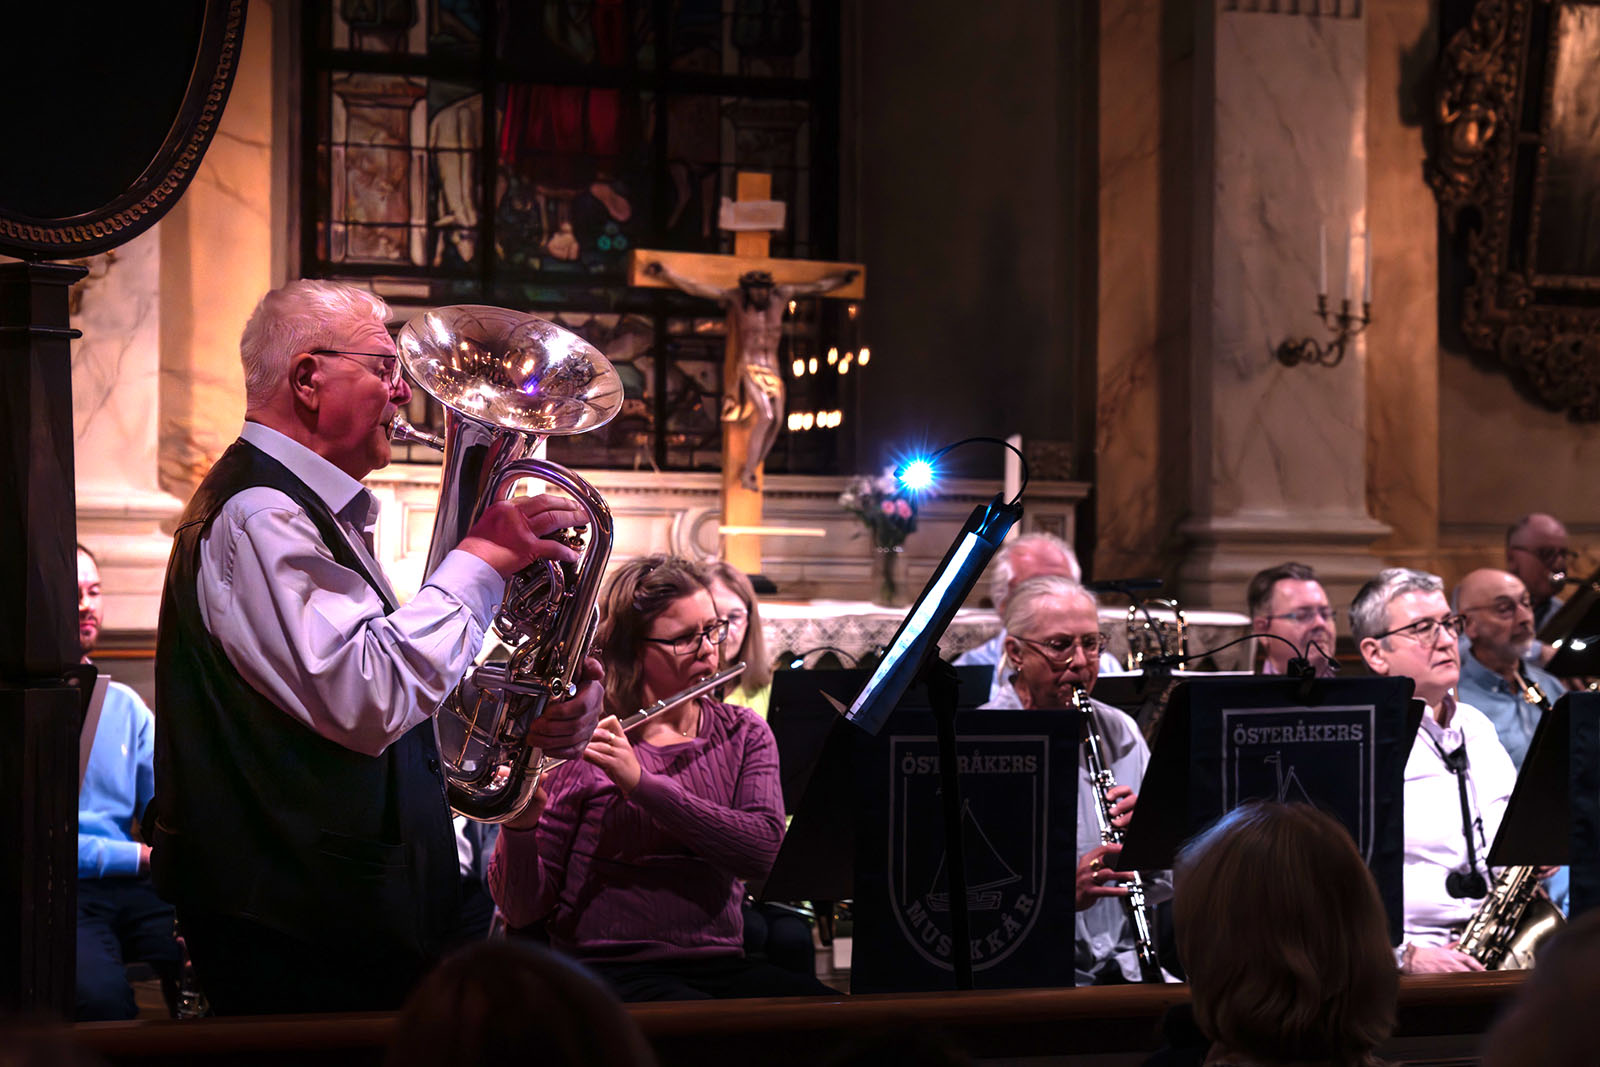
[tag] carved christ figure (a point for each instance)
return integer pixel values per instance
(755, 313)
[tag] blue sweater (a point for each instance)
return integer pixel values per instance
(117, 786)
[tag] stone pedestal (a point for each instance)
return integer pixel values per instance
(116, 374)
(1278, 453)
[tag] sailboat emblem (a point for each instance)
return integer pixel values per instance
(1005, 825)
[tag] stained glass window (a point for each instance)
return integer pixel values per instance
(470, 151)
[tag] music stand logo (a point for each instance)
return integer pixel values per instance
(1005, 821)
(1321, 756)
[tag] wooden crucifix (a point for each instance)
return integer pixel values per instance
(754, 290)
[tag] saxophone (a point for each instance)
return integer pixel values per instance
(1101, 781)
(1517, 916)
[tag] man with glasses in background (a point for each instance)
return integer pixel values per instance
(299, 819)
(1496, 676)
(1537, 553)
(1289, 604)
(1458, 777)
(1053, 643)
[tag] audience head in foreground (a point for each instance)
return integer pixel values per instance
(1551, 1021)
(502, 1002)
(1283, 936)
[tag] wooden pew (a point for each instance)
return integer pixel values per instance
(1440, 1018)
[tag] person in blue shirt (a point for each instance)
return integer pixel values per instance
(1498, 677)
(120, 917)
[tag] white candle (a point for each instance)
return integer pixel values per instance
(1013, 474)
(1366, 289)
(1349, 259)
(1322, 260)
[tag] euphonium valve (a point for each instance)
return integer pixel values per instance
(508, 380)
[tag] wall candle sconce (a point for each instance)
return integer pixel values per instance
(1343, 324)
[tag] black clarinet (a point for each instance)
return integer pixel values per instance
(1101, 780)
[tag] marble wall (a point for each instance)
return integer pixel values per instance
(115, 383)
(1142, 417)
(216, 261)
(1403, 402)
(1278, 459)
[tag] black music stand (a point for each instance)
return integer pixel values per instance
(1338, 743)
(1553, 817)
(804, 709)
(1574, 632)
(913, 658)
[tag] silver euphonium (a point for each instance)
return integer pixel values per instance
(507, 381)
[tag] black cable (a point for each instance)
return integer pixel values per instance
(798, 660)
(1176, 660)
(968, 440)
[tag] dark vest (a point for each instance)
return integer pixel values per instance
(257, 816)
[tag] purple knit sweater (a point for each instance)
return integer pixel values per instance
(659, 874)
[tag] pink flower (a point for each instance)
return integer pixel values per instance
(888, 507)
(902, 508)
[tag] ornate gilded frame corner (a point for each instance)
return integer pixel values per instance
(1549, 334)
(144, 201)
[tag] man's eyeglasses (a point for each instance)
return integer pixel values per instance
(1426, 631)
(389, 368)
(1307, 615)
(1503, 606)
(1058, 650)
(716, 633)
(1554, 558)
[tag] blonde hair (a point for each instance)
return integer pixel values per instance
(1284, 937)
(753, 650)
(302, 316)
(635, 595)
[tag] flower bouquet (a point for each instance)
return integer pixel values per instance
(889, 513)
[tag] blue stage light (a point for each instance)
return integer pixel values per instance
(916, 475)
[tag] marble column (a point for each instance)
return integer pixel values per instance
(1278, 459)
(116, 372)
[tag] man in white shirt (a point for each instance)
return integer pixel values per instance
(300, 822)
(1028, 556)
(1458, 777)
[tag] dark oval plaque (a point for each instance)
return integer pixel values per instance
(110, 108)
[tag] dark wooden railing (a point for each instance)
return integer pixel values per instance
(1440, 1018)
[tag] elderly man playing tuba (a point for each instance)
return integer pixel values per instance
(300, 823)
(1052, 649)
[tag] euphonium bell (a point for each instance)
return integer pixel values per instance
(507, 381)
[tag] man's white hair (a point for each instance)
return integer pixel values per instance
(1004, 568)
(1369, 612)
(1027, 601)
(300, 317)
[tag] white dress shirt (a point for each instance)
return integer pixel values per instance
(1435, 845)
(311, 634)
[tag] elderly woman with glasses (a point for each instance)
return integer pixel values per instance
(635, 860)
(1458, 777)
(1053, 644)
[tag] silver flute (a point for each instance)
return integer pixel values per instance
(1102, 781)
(632, 722)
